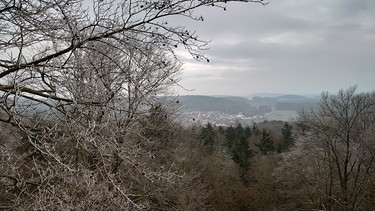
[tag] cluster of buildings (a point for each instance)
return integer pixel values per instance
(218, 118)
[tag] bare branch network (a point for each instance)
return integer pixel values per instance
(44, 44)
(80, 81)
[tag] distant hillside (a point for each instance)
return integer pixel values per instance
(238, 99)
(286, 102)
(272, 95)
(255, 106)
(230, 105)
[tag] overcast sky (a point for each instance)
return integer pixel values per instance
(288, 46)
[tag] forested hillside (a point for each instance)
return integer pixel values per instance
(254, 106)
(228, 105)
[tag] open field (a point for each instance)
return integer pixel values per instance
(283, 115)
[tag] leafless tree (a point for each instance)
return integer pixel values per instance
(333, 160)
(78, 79)
(42, 41)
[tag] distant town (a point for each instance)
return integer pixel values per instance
(228, 110)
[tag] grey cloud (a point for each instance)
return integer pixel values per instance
(350, 9)
(304, 45)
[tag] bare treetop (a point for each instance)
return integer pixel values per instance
(42, 40)
(35, 32)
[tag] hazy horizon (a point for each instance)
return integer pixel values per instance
(259, 94)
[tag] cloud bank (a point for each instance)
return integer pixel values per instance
(289, 46)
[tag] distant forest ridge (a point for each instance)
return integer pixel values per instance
(255, 105)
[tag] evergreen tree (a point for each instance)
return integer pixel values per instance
(288, 139)
(238, 146)
(266, 143)
(239, 130)
(230, 136)
(208, 135)
(221, 130)
(247, 131)
(241, 153)
(255, 129)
